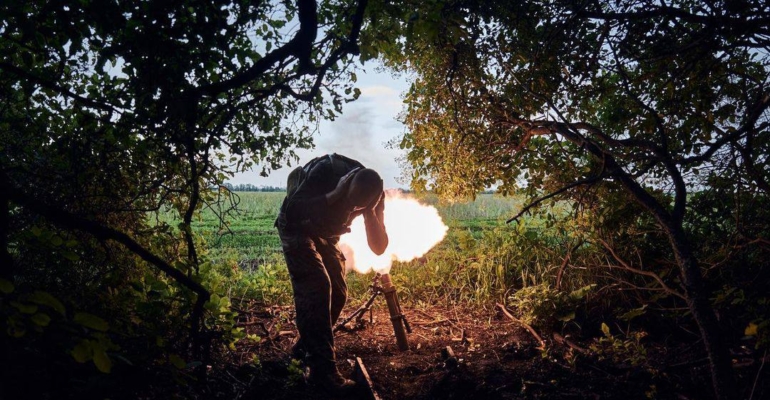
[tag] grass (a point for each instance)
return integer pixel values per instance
(480, 260)
(251, 234)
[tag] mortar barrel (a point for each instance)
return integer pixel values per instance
(391, 298)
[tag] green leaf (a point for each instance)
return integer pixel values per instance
(6, 287)
(751, 330)
(582, 292)
(631, 314)
(24, 308)
(41, 319)
(159, 286)
(46, 299)
(91, 321)
(238, 333)
(56, 240)
(566, 317)
(177, 361)
(606, 330)
(70, 255)
(82, 352)
(102, 361)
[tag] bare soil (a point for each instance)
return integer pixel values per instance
(495, 358)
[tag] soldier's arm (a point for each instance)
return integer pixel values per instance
(376, 235)
(342, 188)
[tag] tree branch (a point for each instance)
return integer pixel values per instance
(761, 105)
(650, 274)
(52, 86)
(298, 45)
(522, 323)
(534, 203)
(68, 220)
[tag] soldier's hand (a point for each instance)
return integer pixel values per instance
(379, 207)
(342, 187)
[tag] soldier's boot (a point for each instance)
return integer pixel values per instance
(328, 378)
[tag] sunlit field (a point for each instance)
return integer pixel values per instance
(472, 264)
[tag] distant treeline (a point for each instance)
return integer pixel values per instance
(247, 187)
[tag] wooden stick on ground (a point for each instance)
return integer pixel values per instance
(561, 339)
(436, 322)
(522, 323)
(364, 381)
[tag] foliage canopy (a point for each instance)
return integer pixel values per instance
(113, 114)
(664, 103)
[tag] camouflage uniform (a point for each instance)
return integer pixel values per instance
(317, 270)
(310, 231)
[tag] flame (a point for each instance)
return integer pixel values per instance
(413, 229)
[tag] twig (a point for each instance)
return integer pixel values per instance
(537, 201)
(253, 312)
(522, 323)
(257, 323)
(652, 275)
(438, 321)
(565, 262)
(689, 363)
(238, 381)
(561, 339)
(246, 388)
(282, 333)
(758, 373)
(424, 314)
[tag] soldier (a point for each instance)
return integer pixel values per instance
(322, 199)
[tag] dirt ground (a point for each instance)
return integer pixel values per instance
(495, 358)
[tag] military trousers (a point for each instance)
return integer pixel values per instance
(317, 270)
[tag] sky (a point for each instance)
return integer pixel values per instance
(361, 132)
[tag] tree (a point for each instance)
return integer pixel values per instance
(113, 110)
(659, 100)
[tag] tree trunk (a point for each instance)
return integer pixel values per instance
(723, 378)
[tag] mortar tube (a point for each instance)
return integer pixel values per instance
(395, 312)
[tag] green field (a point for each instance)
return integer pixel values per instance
(479, 260)
(251, 237)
